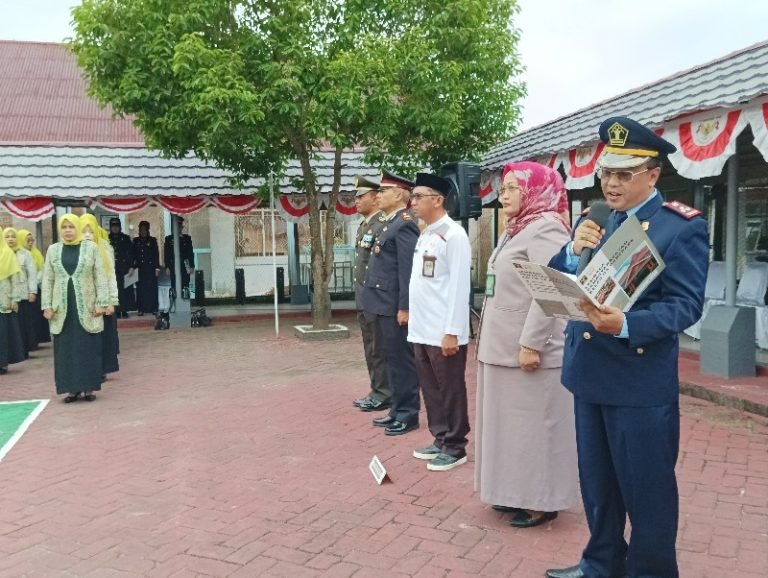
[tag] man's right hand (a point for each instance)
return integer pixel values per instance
(587, 236)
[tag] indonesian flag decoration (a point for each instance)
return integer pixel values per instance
(581, 164)
(31, 209)
(182, 205)
(490, 184)
(552, 161)
(237, 204)
(121, 204)
(757, 117)
(345, 206)
(293, 207)
(705, 142)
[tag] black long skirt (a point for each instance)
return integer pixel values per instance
(110, 344)
(11, 346)
(146, 292)
(28, 326)
(42, 328)
(77, 364)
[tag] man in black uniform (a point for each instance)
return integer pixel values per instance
(187, 255)
(380, 395)
(121, 244)
(147, 260)
(386, 296)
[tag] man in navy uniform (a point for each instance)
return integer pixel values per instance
(366, 200)
(622, 368)
(124, 262)
(187, 254)
(386, 296)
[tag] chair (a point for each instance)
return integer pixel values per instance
(752, 292)
(714, 294)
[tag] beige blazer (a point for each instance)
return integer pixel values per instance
(91, 287)
(510, 318)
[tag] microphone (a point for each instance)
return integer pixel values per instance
(599, 212)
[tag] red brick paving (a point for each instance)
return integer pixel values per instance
(227, 452)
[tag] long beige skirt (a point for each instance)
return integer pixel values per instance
(525, 439)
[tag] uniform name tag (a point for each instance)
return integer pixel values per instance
(490, 284)
(366, 241)
(428, 266)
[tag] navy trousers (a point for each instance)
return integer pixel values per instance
(401, 370)
(627, 461)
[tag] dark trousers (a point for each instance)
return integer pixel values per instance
(374, 356)
(627, 461)
(445, 396)
(401, 370)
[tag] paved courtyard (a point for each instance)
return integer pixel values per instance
(228, 452)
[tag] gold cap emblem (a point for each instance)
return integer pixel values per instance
(617, 135)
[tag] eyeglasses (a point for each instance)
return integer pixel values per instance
(623, 177)
(419, 196)
(510, 189)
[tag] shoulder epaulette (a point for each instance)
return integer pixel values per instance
(682, 209)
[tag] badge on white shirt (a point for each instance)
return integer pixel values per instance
(428, 266)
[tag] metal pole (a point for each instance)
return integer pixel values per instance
(731, 231)
(274, 251)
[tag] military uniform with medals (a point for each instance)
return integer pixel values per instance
(380, 395)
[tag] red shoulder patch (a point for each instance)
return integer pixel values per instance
(682, 209)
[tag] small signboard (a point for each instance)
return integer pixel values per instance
(379, 472)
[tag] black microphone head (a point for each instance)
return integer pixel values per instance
(599, 212)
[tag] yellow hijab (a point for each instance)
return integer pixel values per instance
(22, 235)
(9, 265)
(88, 220)
(15, 234)
(74, 220)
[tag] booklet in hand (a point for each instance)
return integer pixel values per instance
(617, 275)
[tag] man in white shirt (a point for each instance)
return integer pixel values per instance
(438, 325)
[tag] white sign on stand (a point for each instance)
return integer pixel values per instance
(379, 472)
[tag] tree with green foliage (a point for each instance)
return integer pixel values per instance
(252, 85)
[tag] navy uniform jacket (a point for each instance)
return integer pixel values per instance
(186, 251)
(389, 270)
(641, 371)
(366, 237)
(146, 254)
(123, 247)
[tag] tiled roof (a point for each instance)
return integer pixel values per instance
(43, 100)
(728, 81)
(83, 172)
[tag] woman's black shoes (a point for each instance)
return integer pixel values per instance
(527, 519)
(72, 397)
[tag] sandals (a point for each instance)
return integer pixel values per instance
(72, 397)
(530, 519)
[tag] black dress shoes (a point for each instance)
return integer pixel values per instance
(398, 428)
(572, 572)
(383, 421)
(361, 401)
(374, 405)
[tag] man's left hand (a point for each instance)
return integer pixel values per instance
(606, 319)
(402, 317)
(450, 345)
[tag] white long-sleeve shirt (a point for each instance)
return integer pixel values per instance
(28, 272)
(439, 304)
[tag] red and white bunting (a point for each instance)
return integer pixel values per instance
(580, 165)
(756, 114)
(705, 142)
(345, 206)
(31, 209)
(236, 204)
(490, 184)
(553, 161)
(121, 204)
(182, 205)
(293, 207)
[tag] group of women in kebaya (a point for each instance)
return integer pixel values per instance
(70, 295)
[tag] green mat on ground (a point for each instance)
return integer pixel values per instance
(15, 418)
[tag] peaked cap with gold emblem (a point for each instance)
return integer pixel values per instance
(364, 185)
(389, 180)
(629, 144)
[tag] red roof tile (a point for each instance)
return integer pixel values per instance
(43, 100)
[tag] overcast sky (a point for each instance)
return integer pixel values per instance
(576, 52)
